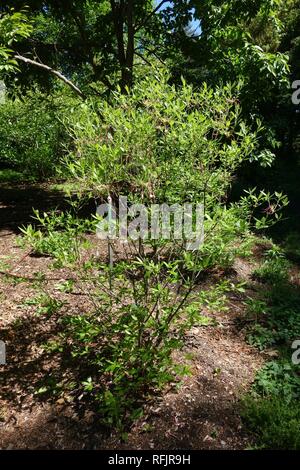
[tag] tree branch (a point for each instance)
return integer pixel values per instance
(145, 21)
(143, 58)
(153, 52)
(51, 70)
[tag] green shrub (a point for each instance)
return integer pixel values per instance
(32, 134)
(157, 144)
(162, 144)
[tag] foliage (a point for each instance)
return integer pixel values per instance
(47, 305)
(239, 41)
(86, 40)
(33, 138)
(197, 137)
(11, 176)
(279, 379)
(143, 131)
(271, 410)
(274, 423)
(14, 26)
(277, 312)
(61, 235)
(128, 339)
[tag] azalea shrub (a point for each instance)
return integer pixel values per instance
(156, 144)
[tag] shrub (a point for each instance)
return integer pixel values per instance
(157, 144)
(162, 144)
(32, 134)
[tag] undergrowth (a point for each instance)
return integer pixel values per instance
(271, 410)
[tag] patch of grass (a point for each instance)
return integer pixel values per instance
(53, 346)
(13, 280)
(273, 271)
(4, 265)
(65, 187)
(39, 280)
(66, 286)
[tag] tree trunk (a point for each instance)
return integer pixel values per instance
(123, 15)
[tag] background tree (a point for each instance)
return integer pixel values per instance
(90, 41)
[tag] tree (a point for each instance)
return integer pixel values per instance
(232, 47)
(90, 41)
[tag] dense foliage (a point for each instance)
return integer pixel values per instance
(33, 136)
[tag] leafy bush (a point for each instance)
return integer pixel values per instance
(162, 144)
(157, 144)
(32, 134)
(129, 337)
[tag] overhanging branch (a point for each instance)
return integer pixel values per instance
(58, 74)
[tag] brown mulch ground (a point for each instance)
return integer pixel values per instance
(200, 414)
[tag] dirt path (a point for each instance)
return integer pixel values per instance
(200, 414)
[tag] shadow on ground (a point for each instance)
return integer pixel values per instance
(202, 414)
(17, 204)
(34, 413)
